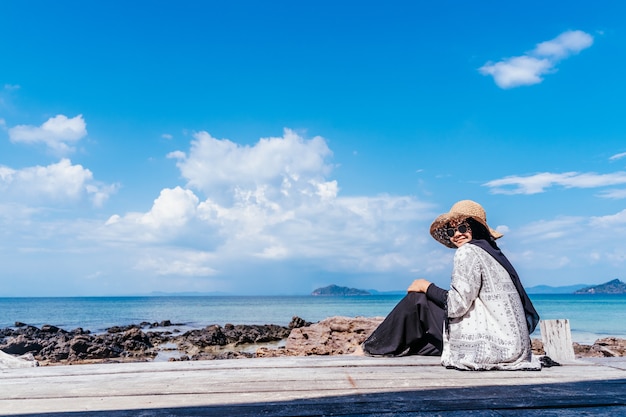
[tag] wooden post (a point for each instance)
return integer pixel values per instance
(557, 340)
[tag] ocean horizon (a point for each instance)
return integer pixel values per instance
(591, 316)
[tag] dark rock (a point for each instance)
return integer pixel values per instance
(297, 322)
(120, 329)
(21, 345)
(80, 345)
(47, 328)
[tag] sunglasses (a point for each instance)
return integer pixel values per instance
(462, 228)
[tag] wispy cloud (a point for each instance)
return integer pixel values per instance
(611, 220)
(529, 69)
(538, 183)
(617, 156)
(613, 194)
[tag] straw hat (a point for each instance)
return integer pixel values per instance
(459, 212)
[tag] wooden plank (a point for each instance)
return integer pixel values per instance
(305, 386)
(574, 398)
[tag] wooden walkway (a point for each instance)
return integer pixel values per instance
(312, 386)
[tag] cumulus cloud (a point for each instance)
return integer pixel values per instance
(272, 201)
(59, 183)
(58, 133)
(285, 163)
(173, 207)
(529, 69)
(172, 215)
(538, 183)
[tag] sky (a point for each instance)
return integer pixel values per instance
(272, 148)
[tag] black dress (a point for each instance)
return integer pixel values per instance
(414, 326)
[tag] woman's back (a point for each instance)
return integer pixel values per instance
(487, 328)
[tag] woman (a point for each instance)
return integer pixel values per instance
(482, 322)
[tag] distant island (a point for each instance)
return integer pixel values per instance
(337, 290)
(612, 287)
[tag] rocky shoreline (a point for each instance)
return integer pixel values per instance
(50, 345)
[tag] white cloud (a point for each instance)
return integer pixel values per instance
(59, 183)
(530, 68)
(177, 262)
(170, 217)
(618, 219)
(504, 229)
(553, 229)
(517, 71)
(173, 207)
(572, 242)
(564, 45)
(58, 133)
(270, 202)
(538, 183)
(615, 194)
(617, 156)
(283, 164)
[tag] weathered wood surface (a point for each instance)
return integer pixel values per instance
(312, 386)
(557, 340)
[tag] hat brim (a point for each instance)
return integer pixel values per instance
(438, 232)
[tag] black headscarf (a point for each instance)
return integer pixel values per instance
(532, 317)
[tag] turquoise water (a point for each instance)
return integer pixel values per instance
(591, 316)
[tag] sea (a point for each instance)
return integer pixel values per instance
(591, 316)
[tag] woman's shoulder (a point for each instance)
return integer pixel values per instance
(464, 252)
(469, 250)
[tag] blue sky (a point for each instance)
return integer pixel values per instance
(274, 148)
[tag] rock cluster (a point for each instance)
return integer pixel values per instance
(51, 344)
(143, 342)
(216, 342)
(602, 348)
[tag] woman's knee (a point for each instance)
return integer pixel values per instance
(415, 297)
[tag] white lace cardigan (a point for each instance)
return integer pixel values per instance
(487, 328)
